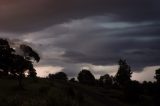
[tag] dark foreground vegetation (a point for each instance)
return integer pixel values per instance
(46, 92)
(19, 89)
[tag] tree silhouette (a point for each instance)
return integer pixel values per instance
(86, 77)
(32, 73)
(106, 80)
(51, 76)
(157, 76)
(124, 73)
(29, 53)
(156, 89)
(5, 56)
(72, 80)
(58, 76)
(15, 64)
(61, 76)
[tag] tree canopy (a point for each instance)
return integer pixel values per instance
(58, 76)
(86, 77)
(106, 80)
(15, 64)
(157, 76)
(124, 73)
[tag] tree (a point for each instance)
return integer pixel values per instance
(72, 80)
(106, 80)
(15, 64)
(22, 63)
(58, 76)
(157, 76)
(32, 73)
(29, 53)
(51, 76)
(5, 56)
(86, 77)
(124, 73)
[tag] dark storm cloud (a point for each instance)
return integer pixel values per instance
(97, 42)
(69, 33)
(104, 46)
(33, 15)
(139, 55)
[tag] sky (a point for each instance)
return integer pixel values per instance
(71, 35)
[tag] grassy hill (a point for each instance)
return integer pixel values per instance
(44, 92)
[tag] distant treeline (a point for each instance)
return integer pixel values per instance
(134, 91)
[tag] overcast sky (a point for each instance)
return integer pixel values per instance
(73, 34)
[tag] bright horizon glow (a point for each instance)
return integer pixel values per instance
(44, 71)
(147, 74)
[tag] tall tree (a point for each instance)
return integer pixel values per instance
(15, 64)
(124, 73)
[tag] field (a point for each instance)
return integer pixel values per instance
(44, 92)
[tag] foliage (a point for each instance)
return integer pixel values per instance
(58, 76)
(15, 64)
(29, 53)
(157, 76)
(86, 77)
(72, 80)
(124, 73)
(106, 80)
